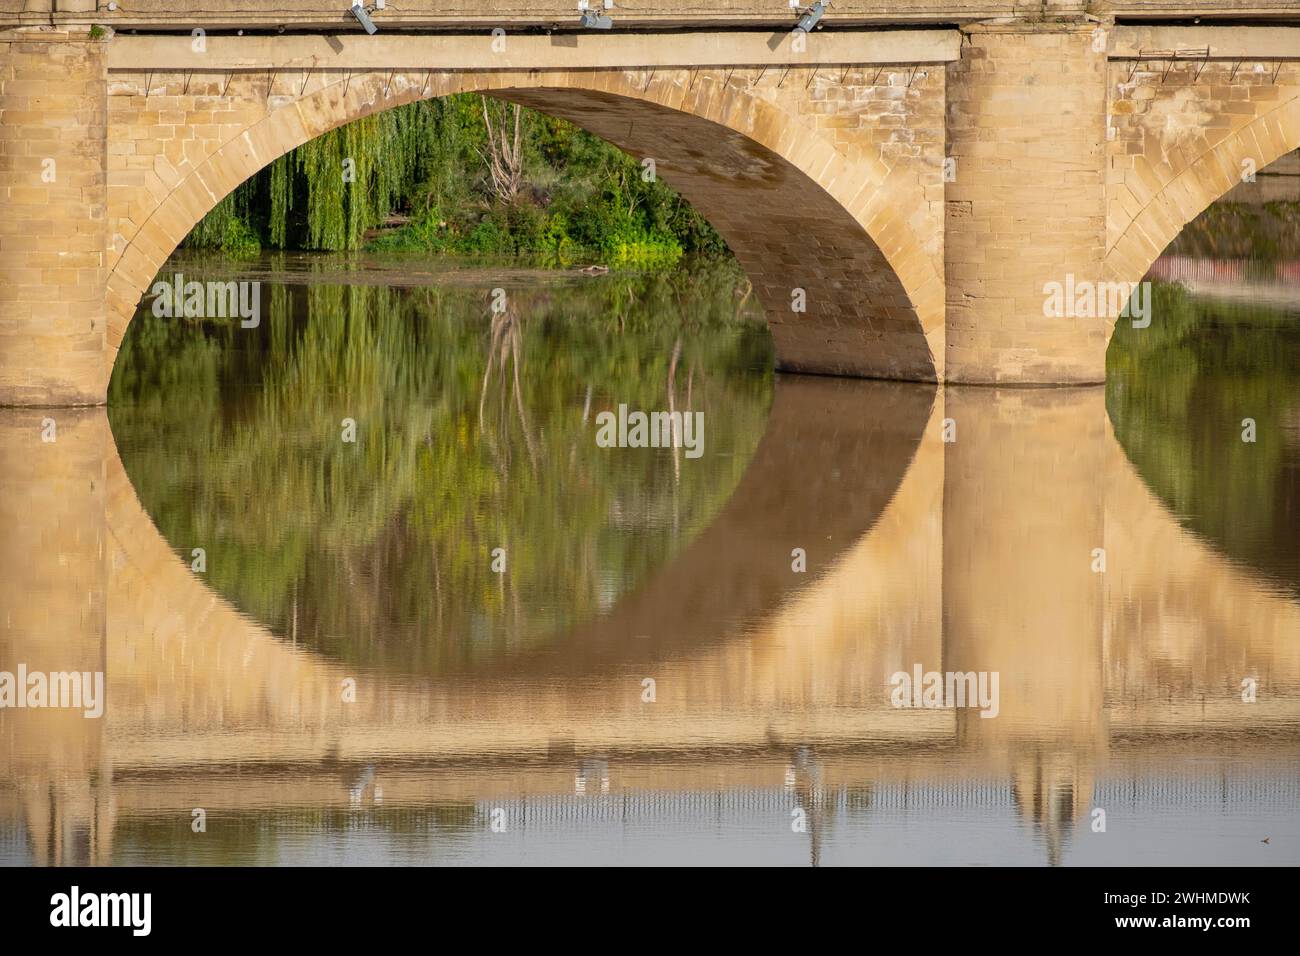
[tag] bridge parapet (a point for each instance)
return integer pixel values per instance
(479, 14)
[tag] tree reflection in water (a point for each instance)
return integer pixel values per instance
(475, 432)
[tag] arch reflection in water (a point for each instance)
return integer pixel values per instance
(1227, 355)
(1119, 691)
(472, 435)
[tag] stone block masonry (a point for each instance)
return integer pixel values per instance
(1026, 204)
(53, 206)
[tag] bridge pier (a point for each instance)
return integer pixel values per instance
(1026, 202)
(53, 204)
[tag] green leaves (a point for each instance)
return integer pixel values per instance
(581, 198)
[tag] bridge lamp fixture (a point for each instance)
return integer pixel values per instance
(812, 16)
(591, 20)
(363, 16)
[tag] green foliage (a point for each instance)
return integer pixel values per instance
(582, 198)
(226, 229)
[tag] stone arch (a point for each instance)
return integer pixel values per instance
(797, 210)
(1156, 196)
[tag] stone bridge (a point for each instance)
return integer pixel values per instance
(920, 182)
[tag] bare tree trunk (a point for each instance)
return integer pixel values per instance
(677, 439)
(505, 155)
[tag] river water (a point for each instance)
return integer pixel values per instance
(367, 588)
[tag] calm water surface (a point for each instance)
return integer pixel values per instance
(472, 635)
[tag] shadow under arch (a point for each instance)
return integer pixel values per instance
(832, 456)
(797, 211)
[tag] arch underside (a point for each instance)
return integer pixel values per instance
(788, 230)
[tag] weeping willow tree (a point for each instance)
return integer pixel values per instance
(468, 179)
(351, 177)
(327, 193)
(227, 227)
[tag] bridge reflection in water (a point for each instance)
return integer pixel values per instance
(1119, 691)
